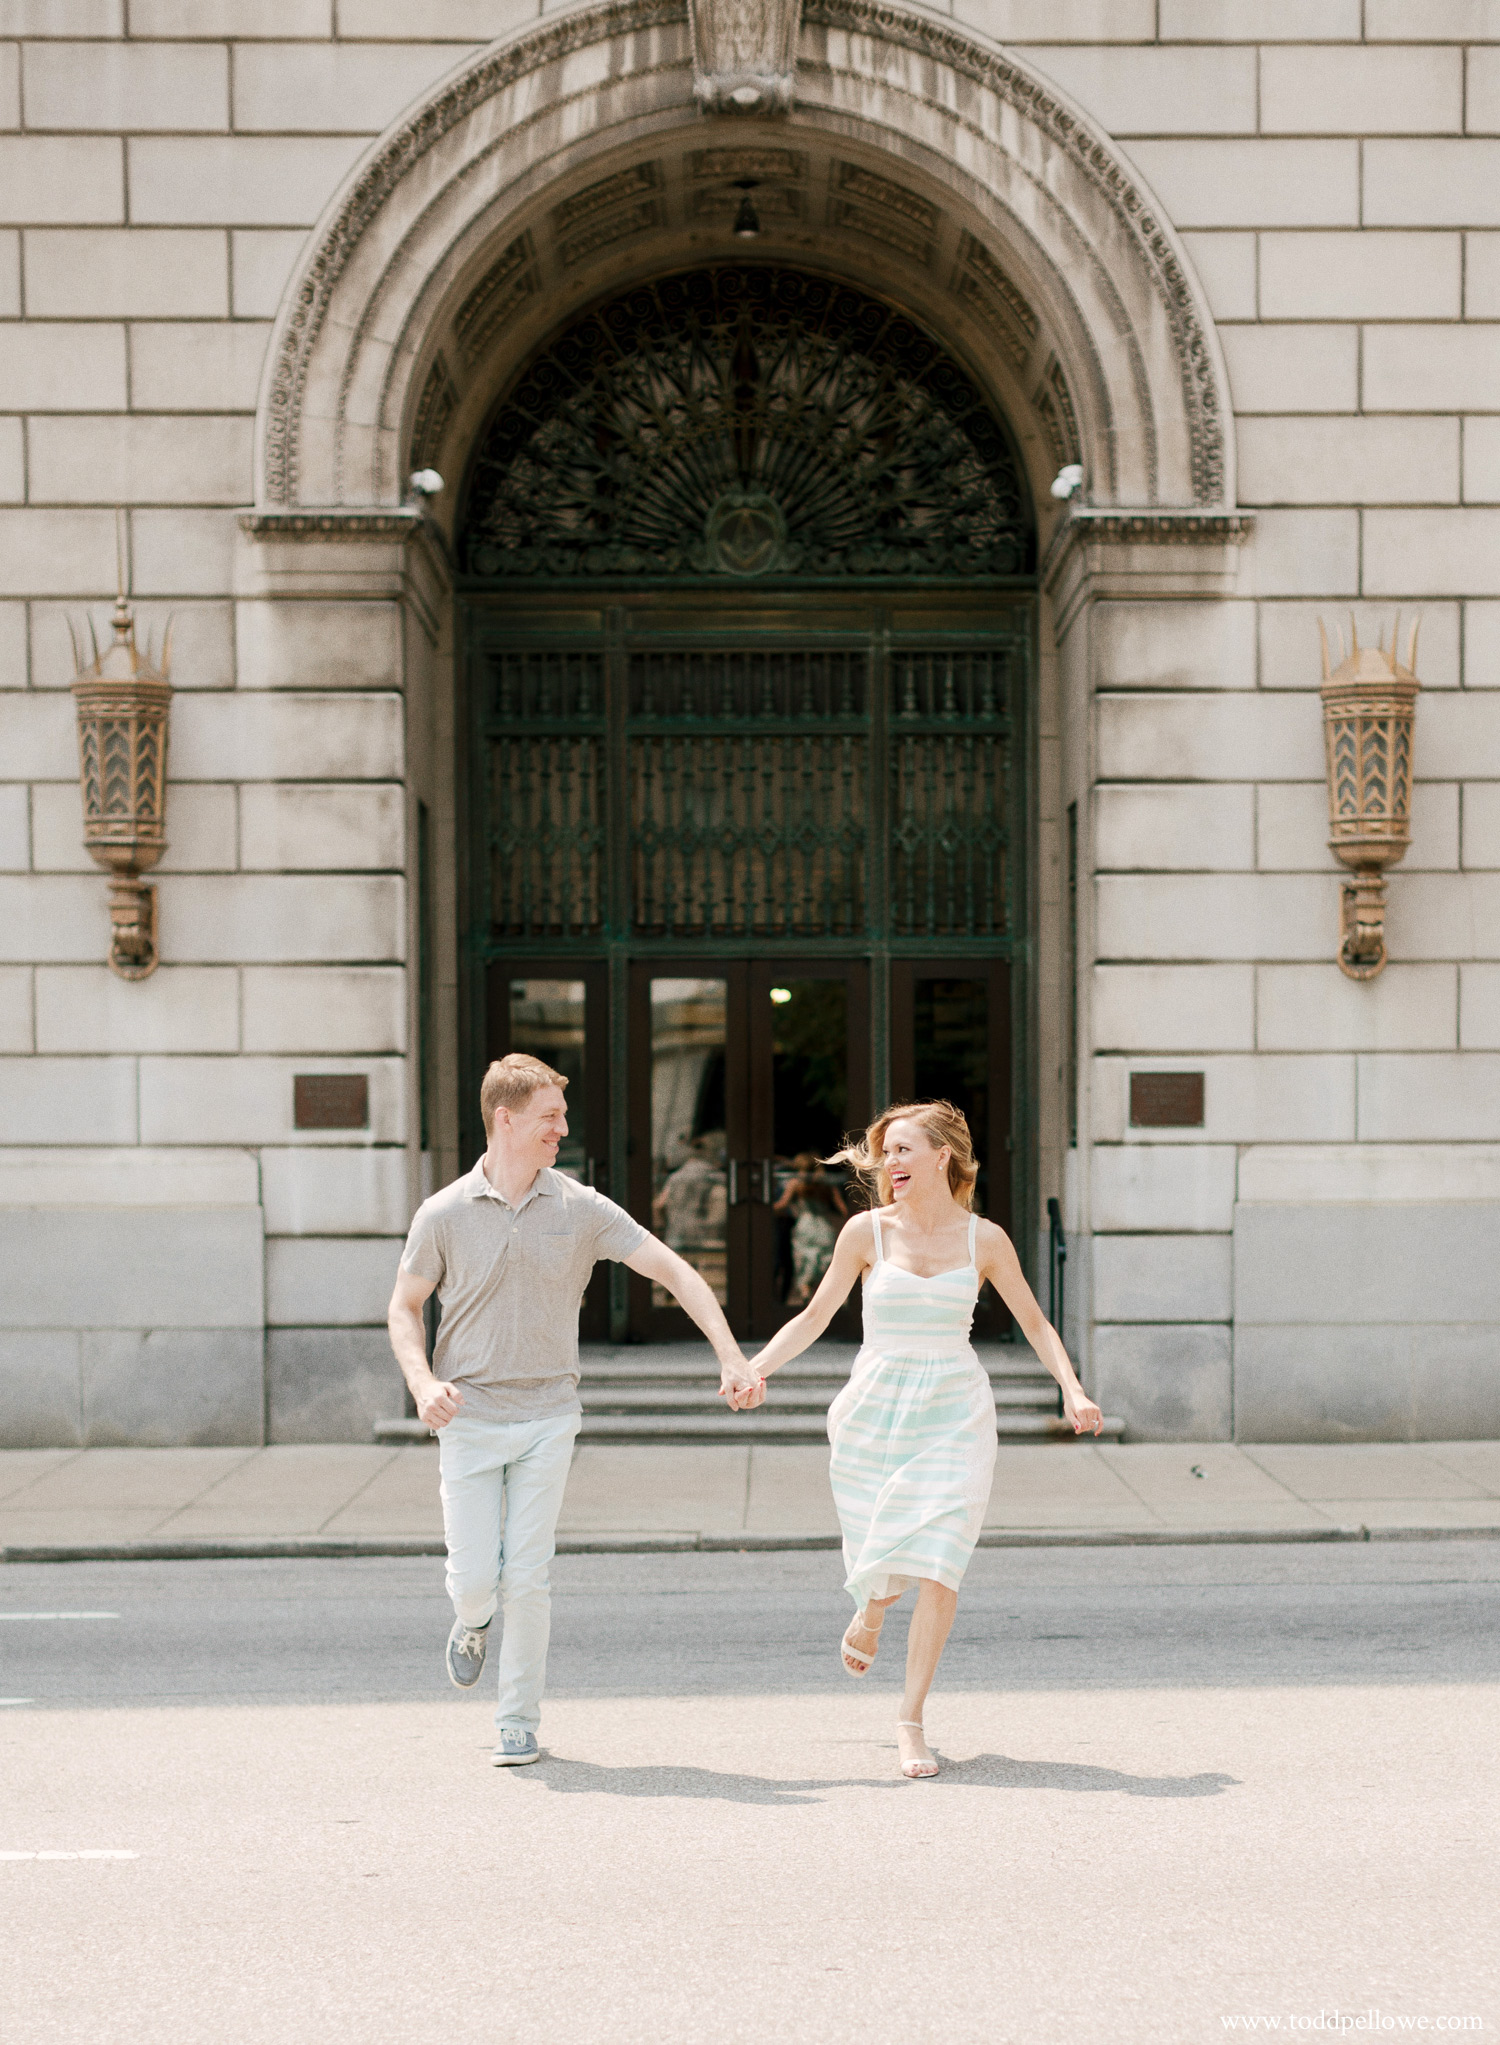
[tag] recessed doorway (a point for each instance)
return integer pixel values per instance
(747, 619)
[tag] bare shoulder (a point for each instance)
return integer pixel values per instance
(858, 1235)
(991, 1240)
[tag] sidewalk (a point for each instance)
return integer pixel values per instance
(57, 1504)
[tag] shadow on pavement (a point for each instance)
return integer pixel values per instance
(573, 1778)
(983, 1771)
(998, 1771)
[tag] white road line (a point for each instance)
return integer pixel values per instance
(59, 1615)
(85, 1853)
(17, 1700)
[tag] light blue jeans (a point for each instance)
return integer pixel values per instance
(517, 1471)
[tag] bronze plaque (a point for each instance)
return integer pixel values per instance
(330, 1100)
(1166, 1100)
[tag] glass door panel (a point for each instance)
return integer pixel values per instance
(741, 1073)
(951, 1056)
(809, 1075)
(950, 1040)
(687, 1100)
(689, 1145)
(810, 1111)
(558, 1012)
(547, 1021)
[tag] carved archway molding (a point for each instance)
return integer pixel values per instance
(920, 159)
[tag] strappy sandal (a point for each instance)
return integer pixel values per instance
(849, 1654)
(917, 1771)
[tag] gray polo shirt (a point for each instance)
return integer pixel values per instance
(510, 1281)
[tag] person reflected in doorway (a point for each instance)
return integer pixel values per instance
(913, 1432)
(692, 1208)
(509, 1249)
(816, 1207)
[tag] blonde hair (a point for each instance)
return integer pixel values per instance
(940, 1122)
(510, 1082)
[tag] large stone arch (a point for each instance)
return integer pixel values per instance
(920, 159)
(920, 162)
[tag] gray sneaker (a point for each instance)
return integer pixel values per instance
(466, 1646)
(515, 1747)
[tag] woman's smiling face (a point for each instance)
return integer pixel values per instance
(912, 1160)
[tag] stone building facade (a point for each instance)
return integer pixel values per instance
(1236, 260)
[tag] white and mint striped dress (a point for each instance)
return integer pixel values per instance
(913, 1432)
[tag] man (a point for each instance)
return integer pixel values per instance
(509, 1249)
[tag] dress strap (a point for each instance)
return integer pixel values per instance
(973, 1232)
(879, 1250)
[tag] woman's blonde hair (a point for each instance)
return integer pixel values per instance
(940, 1122)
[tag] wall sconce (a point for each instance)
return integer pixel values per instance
(1369, 707)
(123, 703)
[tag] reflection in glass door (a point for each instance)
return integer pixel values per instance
(740, 1076)
(810, 1111)
(687, 1127)
(755, 1071)
(809, 1086)
(689, 1145)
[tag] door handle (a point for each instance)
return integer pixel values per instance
(757, 1183)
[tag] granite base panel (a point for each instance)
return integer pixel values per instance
(330, 1384)
(183, 1268)
(41, 1389)
(1169, 1382)
(1377, 1264)
(132, 1388)
(1407, 1382)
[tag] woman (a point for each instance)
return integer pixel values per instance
(817, 1208)
(913, 1431)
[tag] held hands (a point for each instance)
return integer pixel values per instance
(1081, 1410)
(741, 1384)
(437, 1403)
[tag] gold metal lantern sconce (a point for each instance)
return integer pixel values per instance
(124, 700)
(1369, 708)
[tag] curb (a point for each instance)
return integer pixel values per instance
(298, 1547)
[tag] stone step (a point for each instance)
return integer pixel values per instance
(776, 1427)
(663, 1392)
(826, 1362)
(812, 1395)
(1023, 1380)
(767, 1428)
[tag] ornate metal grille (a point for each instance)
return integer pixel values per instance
(950, 762)
(776, 792)
(545, 713)
(742, 421)
(749, 776)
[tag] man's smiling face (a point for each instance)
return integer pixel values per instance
(535, 1132)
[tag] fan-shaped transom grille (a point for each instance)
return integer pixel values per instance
(745, 421)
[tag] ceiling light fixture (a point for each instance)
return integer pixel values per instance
(747, 220)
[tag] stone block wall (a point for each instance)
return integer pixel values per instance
(1333, 168)
(1329, 168)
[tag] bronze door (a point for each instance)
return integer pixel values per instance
(678, 809)
(739, 1067)
(736, 1069)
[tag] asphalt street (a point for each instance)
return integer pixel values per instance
(242, 1803)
